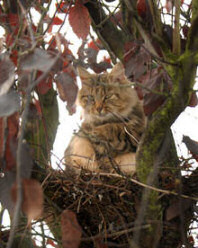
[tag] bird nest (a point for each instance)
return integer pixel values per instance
(105, 205)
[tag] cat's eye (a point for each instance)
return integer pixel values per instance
(88, 98)
(110, 96)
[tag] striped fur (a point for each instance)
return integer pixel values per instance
(113, 123)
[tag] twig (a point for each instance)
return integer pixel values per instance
(131, 135)
(20, 155)
(29, 25)
(164, 191)
(176, 31)
(18, 172)
(119, 233)
(5, 136)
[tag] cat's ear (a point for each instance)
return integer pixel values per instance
(118, 72)
(83, 73)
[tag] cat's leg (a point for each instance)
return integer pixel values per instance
(80, 154)
(126, 163)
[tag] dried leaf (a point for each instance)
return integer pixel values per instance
(5, 188)
(136, 60)
(185, 30)
(39, 59)
(45, 85)
(141, 7)
(79, 20)
(11, 142)
(62, 7)
(102, 66)
(71, 230)
(173, 210)
(67, 88)
(192, 145)
(9, 103)
(10, 159)
(32, 202)
(155, 84)
(91, 55)
(26, 161)
(193, 100)
(51, 242)
(57, 21)
(169, 5)
(13, 19)
(7, 74)
(94, 45)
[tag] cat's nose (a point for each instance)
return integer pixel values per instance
(99, 108)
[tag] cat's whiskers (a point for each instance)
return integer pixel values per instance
(120, 117)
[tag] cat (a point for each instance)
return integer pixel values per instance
(113, 123)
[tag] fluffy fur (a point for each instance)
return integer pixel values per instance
(113, 123)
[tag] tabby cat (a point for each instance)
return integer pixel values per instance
(113, 124)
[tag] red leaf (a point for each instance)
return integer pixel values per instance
(39, 59)
(12, 125)
(79, 20)
(14, 56)
(136, 60)
(107, 60)
(32, 204)
(169, 5)
(38, 107)
(57, 21)
(51, 242)
(62, 7)
(117, 18)
(67, 89)
(13, 19)
(92, 44)
(191, 240)
(193, 100)
(141, 7)
(192, 145)
(7, 72)
(52, 43)
(185, 30)
(156, 80)
(71, 230)
(173, 210)
(44, 85)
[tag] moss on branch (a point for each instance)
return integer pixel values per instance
(41, 131)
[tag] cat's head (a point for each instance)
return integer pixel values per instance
(106, 96)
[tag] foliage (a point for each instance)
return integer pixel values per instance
(158, 45)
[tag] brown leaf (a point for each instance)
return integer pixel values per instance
(7, 74)
(79, 20)
(154, 83)
(173, 210)
(193, 100)
(9, 103)
(136, 60)
(45, 85)
(192, 145)
(32, 203)
(71, 230)
(169, 5)
(11, 142)
(67, 88)
(39, 59)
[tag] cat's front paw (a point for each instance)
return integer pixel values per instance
(100, 133)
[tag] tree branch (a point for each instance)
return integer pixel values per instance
(112, 38)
